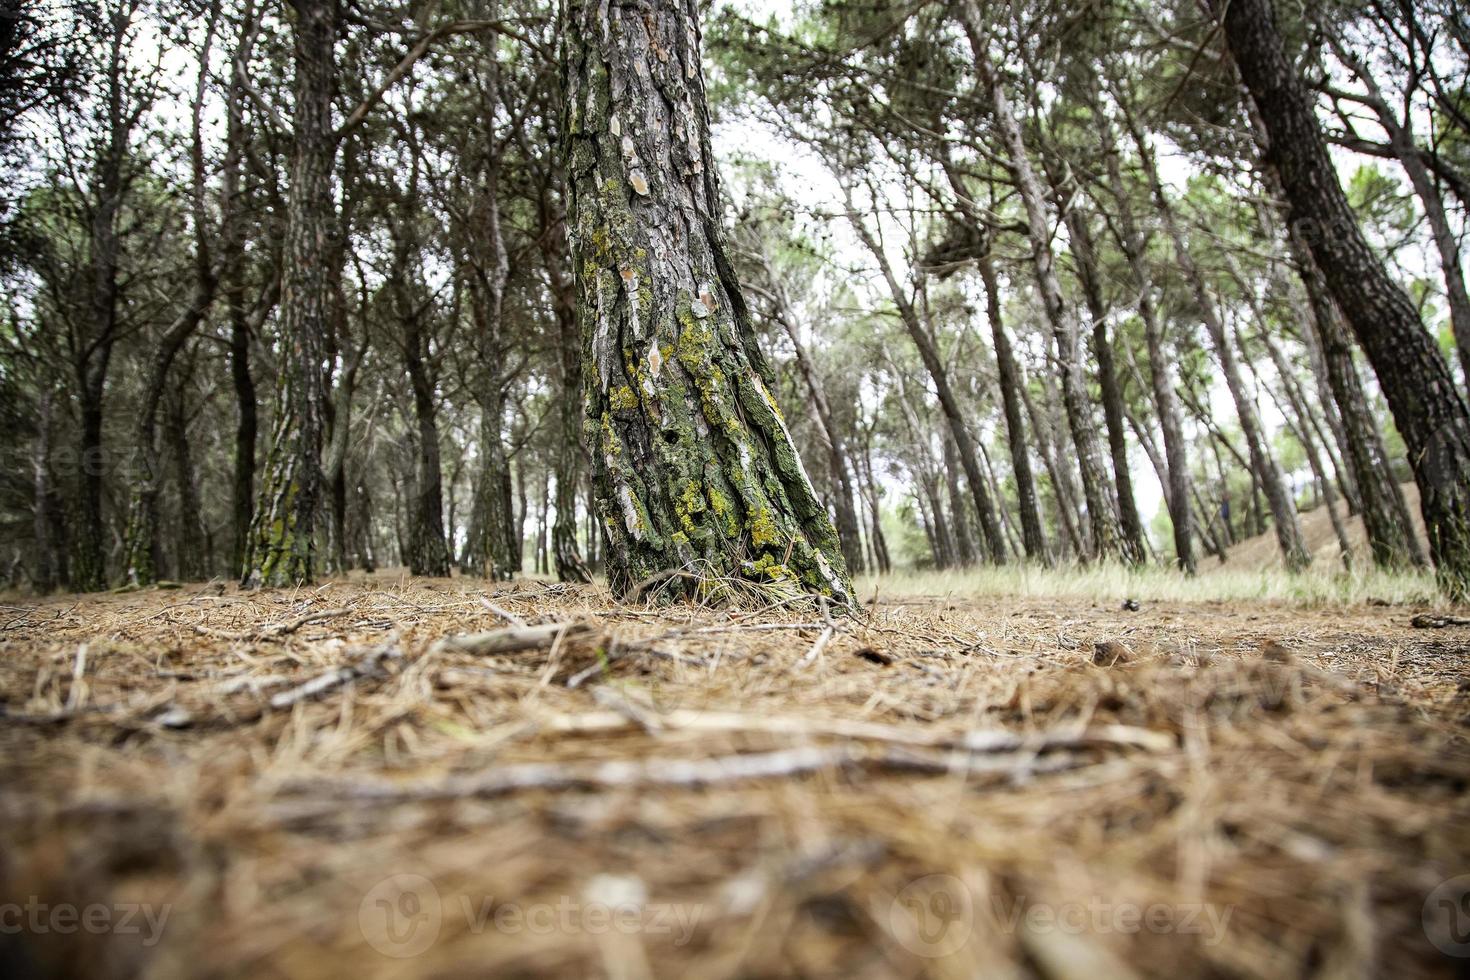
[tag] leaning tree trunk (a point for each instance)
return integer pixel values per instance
(1430, 414)
(1135, 552)
(1008, 375)
(692, 461)
(282, 544)
(1263, 464)
(1161, 376)
(1392, 539)
(1107, 534)
(954, 413)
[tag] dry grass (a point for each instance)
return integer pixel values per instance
(1323, 584)
(307, 780)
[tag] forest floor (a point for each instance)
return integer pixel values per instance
(400, 777)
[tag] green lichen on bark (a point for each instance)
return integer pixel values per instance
(692, 463)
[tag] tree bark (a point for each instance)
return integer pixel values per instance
(1102, 516)
(1428, 409)
(1263, 464)
(1161, 368)
(692, 461)
(954, 414)
(282, 540)
(1135, 552)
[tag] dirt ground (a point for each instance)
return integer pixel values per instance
(410, 778)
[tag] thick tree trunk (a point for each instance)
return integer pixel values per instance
(282, 540)
(1430, 414)
(693, 464)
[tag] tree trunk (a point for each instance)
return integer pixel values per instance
(282, 543)
(1401, 140)
(1102, 516)
(1011, 381)
(568, 561)
(1392, 538)
(1430, 414)
(191, 558)
(1264, 467)
(960, 522)
(954, 414)
(692, 461)
(843, 498)
(1161, 369)
(1135, 552)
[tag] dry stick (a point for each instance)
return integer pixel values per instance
(270, 630)
(976, 740)
(685, 773)
(504, 614)
(511, 639)
(336, 677)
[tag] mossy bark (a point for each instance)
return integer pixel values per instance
(692, 462)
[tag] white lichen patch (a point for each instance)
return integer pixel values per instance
(630, 514)
(655, 358)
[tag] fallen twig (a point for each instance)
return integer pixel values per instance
(685, 773)
(511, 639)
(271, 630)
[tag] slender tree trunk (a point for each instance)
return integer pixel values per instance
(1264, 466)
(1406, 149)
(954, 414)
(500, 543)
(1102, 516)
(692, 461)
(1011, 384)
(960, 523)
(282, 541)
(1161, 368)
(1429, 411)
(843, 497)
(191, 553)
(1135, 552)
(1392, 539)
(49, 573)
(568, 561)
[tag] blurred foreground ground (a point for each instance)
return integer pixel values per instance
(204, 783)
